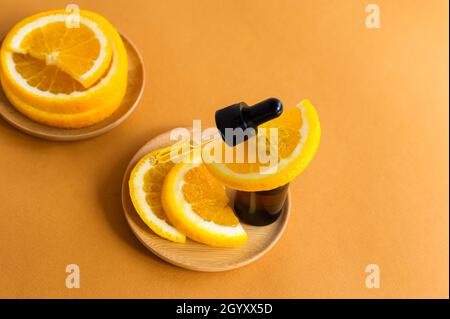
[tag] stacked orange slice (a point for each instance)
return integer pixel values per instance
(61, 75)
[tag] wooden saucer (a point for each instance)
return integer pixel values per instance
(193, 255)
(136, 79)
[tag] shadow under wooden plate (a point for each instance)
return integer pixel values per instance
(135, 88)
(193, 255)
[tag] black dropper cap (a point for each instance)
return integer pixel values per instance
(247, 118)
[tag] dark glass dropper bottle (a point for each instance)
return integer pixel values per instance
(254, 208)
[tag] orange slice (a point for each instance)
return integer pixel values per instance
(145, 185)
(83, 51)
(295, 144)
(49, 95)
(197, 205)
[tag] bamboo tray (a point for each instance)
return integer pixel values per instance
(136, 80)
(192, 255)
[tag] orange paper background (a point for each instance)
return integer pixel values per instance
(376, 192)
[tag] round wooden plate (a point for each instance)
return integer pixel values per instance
(136, 79)
(193, 255)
